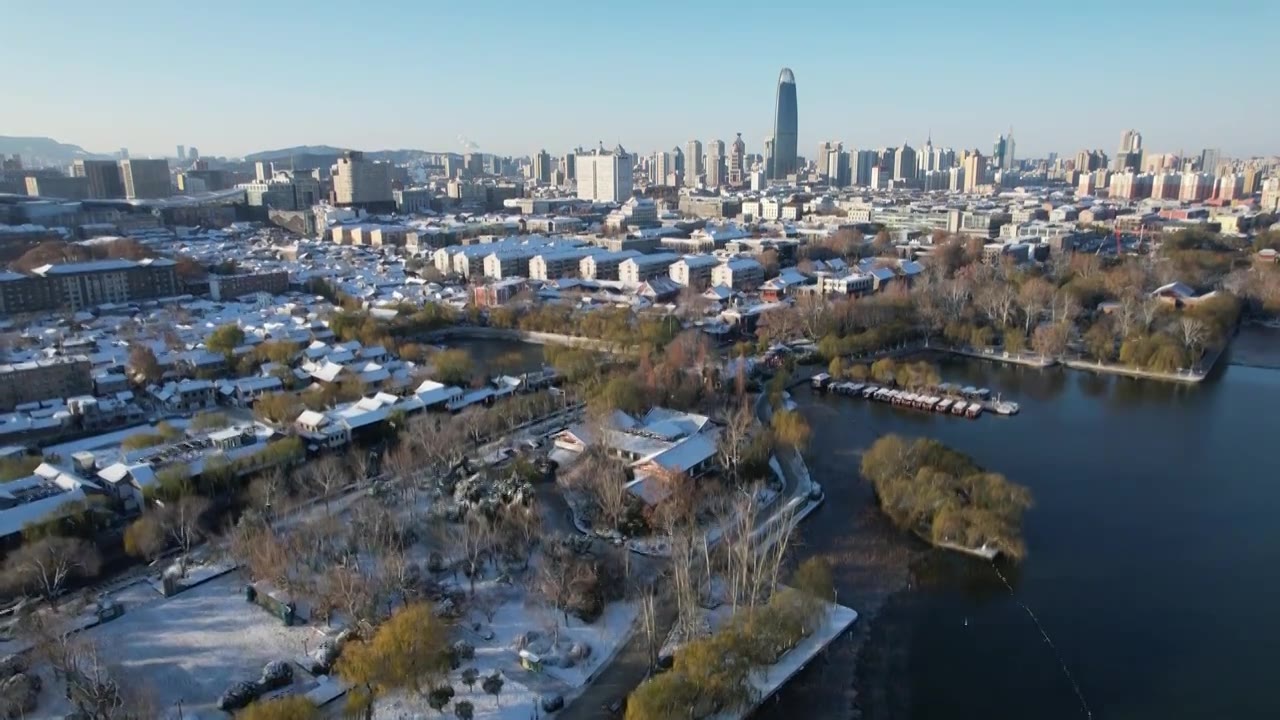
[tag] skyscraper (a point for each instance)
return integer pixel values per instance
(737, 161)
(360, 182)
(182, 153)
(715, 163)
(1129, 155)
(1209, 159)
(904, 163)
(786, 135)
(692, 163)
(542, 167)
(975, 167)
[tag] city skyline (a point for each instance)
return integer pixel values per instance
(1052, 76)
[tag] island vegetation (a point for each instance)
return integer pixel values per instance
(944, 497)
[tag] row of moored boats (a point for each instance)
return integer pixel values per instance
(905, 398)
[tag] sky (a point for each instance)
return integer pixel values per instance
(236, 76)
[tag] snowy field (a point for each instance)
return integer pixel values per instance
(188, 649)
(516, 702)
(604, 637)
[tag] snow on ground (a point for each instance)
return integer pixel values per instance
(514, 618)
(516, 702)
(191, 647)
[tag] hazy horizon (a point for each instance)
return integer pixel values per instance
(514, 78)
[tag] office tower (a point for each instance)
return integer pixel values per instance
(662, 167)
(692, 163)
(863, 162)
(182, 153)
(768, 158)
(605, 175)
(124, 153)
(927, 161)
(838, 169)
(193, 154)
(998, 150)
(715, 163)
(361, 182)
(570, 166)
(904, 163)
(737, 162)
(1129, 154)
(974, 171)
(786, 135)
(263, 170)
(542, 167)
(103, 175)
(1209, 159)
(145, 179)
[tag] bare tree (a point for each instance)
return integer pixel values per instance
(1033, 297)
(360, 462)
(997, 299)
(182, 521)
(473, 539)
(1148, 309)
(325, 476)
(46, 565)
(1194, 335)
(104, 692)
(735, 438)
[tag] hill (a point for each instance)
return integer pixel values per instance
(316, 155)
(38, 151)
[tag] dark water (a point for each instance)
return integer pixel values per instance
(1154, 551)
(492, 357)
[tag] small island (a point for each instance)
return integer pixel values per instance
(944, 497)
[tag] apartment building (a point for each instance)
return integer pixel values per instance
(74, 286)
(636, 270)
(145, 179)
(234, 286)
(694, 270)
(604, 265)
(559, 263)
(61, 377)
(738, 274)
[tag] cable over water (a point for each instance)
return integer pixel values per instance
(1084, 705)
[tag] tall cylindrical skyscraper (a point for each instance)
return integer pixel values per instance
(786, 136)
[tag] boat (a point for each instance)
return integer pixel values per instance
(1005, 407)
(870, 390)
(944, 405)
(820, 381)
(959, 407)
(975, 409)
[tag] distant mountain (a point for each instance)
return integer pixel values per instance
(37, 151)
(316, 155)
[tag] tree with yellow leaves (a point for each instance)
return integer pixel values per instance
(408, 652)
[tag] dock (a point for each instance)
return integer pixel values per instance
(946, 399)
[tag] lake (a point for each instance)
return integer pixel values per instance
(1152, 552)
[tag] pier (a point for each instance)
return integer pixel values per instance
(945, 399)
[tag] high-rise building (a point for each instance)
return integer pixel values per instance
(904, 164)
(1129, 154)
(863, 162)
(975, 169)
(361, 182)
(1195, 186)
(768, 158)
(193, 153)
(998, 150)
(103, 175)
(838, 168)
(927, 161)
(542, 167)
(1270, 201)
(605, 175)
(182, 153)
(1250, 180)
(570, 166)
(662, 168)
(145, 179)
(1166, 185)
(715, 163)
(692, 163)
(786, 134)
(737, 162)
(1209, 160)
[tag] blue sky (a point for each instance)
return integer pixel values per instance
(234, 76)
